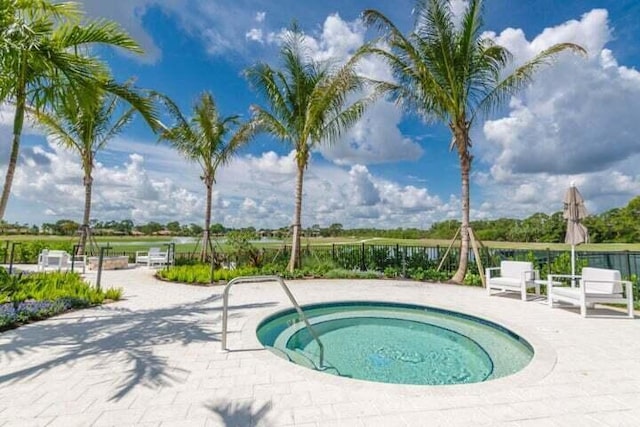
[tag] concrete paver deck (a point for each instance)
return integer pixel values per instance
(155, 359)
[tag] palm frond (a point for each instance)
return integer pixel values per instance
(56, 128)
(116, 128)
(95, 32)
(267, 122)
(137, 98)
(523, 76)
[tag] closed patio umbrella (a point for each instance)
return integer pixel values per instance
(574, 213)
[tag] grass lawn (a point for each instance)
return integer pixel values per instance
(141, 243)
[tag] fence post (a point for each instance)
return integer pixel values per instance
(397, 255)
(13, 247)
(6, 251)
(404, 262)
(100, 260)
(548, 261)
(628, 264)
(333, 252)
(213, 268)
(362, 264)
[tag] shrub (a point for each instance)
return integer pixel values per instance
(27, 297)
(351, 274)
(471, 279)
(430, 274)
(200, 274)
(391, 272)
(114, 294)
(635, 280)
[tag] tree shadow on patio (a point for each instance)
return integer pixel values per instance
(97, 337)
(239, 414)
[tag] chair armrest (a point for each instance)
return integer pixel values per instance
(551, 279)
(534, 275)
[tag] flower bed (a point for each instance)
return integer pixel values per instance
(28, 297)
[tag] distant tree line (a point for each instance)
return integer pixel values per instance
(619, 225)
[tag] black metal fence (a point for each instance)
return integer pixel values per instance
(373, 257)
(367, 257)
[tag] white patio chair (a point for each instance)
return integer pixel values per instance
(596, 285)
(53, 259)
(515, 276)
(152, 257)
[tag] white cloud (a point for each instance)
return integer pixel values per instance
(254, 34)
(221, 26)
(260, 16)
(129, 15)
(363, 189)
(575, 121)
(376, 138)
(119, 192)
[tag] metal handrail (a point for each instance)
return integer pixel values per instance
(285, 288)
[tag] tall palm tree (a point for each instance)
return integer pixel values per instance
(207, 139)
(448, 71)
(43, 47)
(307, 106)
(86, 126)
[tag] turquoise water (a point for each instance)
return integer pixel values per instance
(397, 343)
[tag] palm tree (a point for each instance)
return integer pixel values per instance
(307, 106)
(86, 126)
(448, 71)
(43, 55)
(206, 139)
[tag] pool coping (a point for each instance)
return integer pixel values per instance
(542, 364)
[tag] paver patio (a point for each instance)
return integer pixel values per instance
(155, 359)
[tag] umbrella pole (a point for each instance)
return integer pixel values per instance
(573, 265)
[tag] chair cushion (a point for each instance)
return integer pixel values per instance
(600, 277)
(574, 293)
(514, 269)
(505, 281)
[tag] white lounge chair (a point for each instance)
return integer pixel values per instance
(53, 259)
(152, 257)
(515, 276)
(595, 285)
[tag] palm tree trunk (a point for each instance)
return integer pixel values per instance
(88, 187)
(206, 240)
(18, 121)
(461, 134)
(294, 261)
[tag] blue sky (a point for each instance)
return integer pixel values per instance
(575, 123)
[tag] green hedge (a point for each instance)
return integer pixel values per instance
(27, 297)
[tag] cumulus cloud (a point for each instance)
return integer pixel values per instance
(574, 122)
(221, 26)
(376, 138)
(123, 191)
(254, 34)
(129, 14)
(364, 190)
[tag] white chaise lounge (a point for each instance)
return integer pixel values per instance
(53, 259)
(515, 276)
(595, 285)
(152, 257)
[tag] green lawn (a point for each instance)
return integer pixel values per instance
(133, 243)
